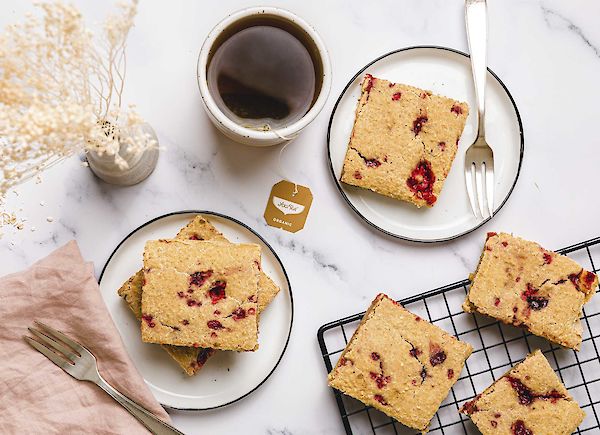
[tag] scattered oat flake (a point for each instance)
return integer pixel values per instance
(42, 203)
(50, 219)
(33, 229)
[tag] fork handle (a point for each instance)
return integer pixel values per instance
(476, 20)
(152, 423)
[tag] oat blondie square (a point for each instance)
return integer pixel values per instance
(399, 363)
(403, 141)
(529, 399)
(192, 359)
(523, 284)
(201, 294)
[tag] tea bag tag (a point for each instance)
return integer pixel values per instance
(288, 206)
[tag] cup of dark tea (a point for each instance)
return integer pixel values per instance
(264, 75)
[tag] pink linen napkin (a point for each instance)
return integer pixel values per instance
(35, 395)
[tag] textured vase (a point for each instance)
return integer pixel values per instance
(140, 167)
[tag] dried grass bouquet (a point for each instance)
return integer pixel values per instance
(61, 92)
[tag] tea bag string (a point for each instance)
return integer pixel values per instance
(280, 167)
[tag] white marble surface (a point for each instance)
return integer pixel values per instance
(546, 51)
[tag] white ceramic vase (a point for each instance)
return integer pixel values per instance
(140, 165)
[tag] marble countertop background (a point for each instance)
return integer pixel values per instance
(547, 52)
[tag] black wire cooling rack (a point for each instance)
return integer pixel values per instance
(497, 347)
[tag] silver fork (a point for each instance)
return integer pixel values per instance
(479, 159)
(81, 364)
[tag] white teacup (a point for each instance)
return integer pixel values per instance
(265, 135)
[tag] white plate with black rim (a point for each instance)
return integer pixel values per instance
(228, 376)
(446, 72)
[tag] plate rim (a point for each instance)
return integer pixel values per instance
(338, 183)
(287, 279)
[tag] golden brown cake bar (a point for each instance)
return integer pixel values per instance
(399, 363)
(403, 142)
(528, 400)
(523, 284)
(201, 294)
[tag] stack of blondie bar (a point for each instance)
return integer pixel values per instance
(199, 293)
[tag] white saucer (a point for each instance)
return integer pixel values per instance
(227, 376)
(446, 72)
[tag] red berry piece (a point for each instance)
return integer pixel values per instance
(442, 146)
(575, 278)
(185, 322)
(357, 175)
(370, 82)
(418, 124)
(505, 243)
(181, 294)
(519, 428)
(415, 352)
(380, 379)
(251, 311)
(526, 396)
(149, 320)
(217, 291)
(199, 278)
(346, 361)
(491, 234)
(547, 258)
(589, 279)
(375, 356)
(496, 302)
(450, 373)
(470, 407)
(436, 355)
(421, 182)
(214, 324)
(380, 399)
(372, 163)
(203, 356)
(239, 314)
(494, 423)
(457, 109)
(252, 298)
(497, 415)
(195, 237)
(396, 96)
(535, 302)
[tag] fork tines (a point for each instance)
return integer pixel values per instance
(53, 344)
